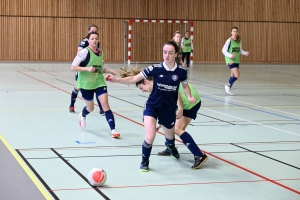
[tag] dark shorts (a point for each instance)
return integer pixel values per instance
(234, 65)
(88, 95)
(166, 118)
(192, 113)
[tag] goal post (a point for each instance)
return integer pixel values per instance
(129, 33)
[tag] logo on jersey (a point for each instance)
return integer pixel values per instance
(174, 77)
(165, 87)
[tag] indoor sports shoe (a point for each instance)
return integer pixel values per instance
(81, 121)
(228, 90)
(165, 152)
(174, 152)
(144, 166)
(72, 109)
(199, 161)
(102, 112)
(115, 134)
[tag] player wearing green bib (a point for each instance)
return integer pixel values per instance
(83, 44)
(232, 50)
(89, 65)
(187, 48)
(177, 39)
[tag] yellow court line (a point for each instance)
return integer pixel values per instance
(26, 169)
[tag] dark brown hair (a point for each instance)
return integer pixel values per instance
(91, 33)
(92, 25)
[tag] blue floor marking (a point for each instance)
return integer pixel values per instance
(252, 108)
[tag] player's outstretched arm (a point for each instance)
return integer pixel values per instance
(126, 80)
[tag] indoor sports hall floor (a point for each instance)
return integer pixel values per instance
(252, 139)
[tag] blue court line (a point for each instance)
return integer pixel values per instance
(252, 108)
(78, 142)
(275, 114)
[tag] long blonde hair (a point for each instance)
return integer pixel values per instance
(125, 72)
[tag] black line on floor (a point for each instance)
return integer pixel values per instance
(216, 119)
(37, 175)
(129, 155)
(28, 68)
(83, 177)
(138, 145)
(64, 82)
(211, 86)
(125, 101)
(265, 156)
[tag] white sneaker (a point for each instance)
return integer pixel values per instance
(228, 90)
(115, 134)
(81, 121)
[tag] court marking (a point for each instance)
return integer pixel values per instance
(182, 184)
(255, 105)
(138, 145)
(154, 154)
(252, 108)
(231, 163)
(25, 168)
(256, 152)
(78, 173)
(253, 122)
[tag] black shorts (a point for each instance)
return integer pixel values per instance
(192, 113)
(88, 95)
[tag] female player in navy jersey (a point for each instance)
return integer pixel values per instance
(162, 102)
(83, 44)
(89, 65)
(185, 113)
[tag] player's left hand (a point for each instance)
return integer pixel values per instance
(192, 99)
(110, 78)
(247, 53)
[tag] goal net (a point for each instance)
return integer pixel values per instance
(146, 37)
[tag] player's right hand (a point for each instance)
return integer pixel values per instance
(90, 69)
(232, 56)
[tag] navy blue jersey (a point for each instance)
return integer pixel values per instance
(85, 43)
(166, 82)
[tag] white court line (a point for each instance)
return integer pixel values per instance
(231, 115)
(252, 122)
(251, 104)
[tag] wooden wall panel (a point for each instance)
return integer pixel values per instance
(229, 10)
(266, 42)
(36, 38)
(51, 30)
